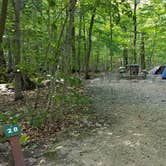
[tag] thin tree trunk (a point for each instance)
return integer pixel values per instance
(58, 50)
(55, 64)
(97, 61)
(85, 44)
(142, 53)
(89, 44)
(153, 49)
(79, 39)
(79, 42)
(17, 51)
(111, 34)
(2, 29)
(68, 44)
(73, 65)
(125, 57)
(135, 31)
(10, 57)
(49, 37)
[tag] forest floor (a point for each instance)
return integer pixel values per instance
(126, 127)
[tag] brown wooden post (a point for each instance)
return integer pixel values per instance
(13, 132)
(16, 151)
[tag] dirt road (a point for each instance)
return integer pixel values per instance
(130, 130)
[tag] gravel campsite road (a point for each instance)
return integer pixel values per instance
(131, 126)
(136, 112)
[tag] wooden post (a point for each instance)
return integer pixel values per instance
(16, 151)
(13, 132)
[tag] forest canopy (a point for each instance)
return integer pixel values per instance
(45, 36)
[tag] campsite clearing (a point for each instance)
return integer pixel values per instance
(130, 129)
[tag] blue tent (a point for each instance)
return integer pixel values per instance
(163, 75)
(157, 70)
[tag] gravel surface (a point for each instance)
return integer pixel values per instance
(131, 126)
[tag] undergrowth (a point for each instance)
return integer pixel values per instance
(60, 108)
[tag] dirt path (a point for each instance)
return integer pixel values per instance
(136, 114)
(130, 128)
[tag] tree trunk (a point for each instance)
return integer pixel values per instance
(89, 44)
(79, 40)
(2, 29)
(111, 34)
(49, 38)
(85, 44)
(153, 49)
(142, 53)
(68, 44)
(10, 57)
(58, 51)
(97, 61)
(17, 51)
(125, 57)
(135, 32)
(73, 65)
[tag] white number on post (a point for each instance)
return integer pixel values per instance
(15, 129)
(9, 131)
